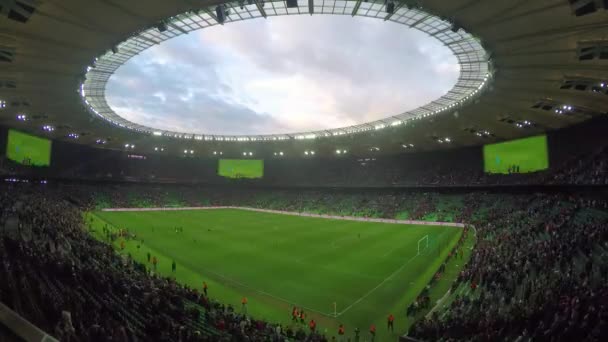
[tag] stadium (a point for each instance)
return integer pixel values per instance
(320, 170)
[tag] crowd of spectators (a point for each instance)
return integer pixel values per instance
(538, 271)
(55, 274)
(576, 157)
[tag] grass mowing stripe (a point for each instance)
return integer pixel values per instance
(256, 254)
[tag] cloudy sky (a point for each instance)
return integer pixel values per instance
(283, 74)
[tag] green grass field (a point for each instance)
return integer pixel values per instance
(368, 269)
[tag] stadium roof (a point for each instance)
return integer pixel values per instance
(536, 65)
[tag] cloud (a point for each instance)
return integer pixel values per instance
(281, 75)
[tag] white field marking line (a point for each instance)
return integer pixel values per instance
(293, 213)
(377, 286)
(448, 292)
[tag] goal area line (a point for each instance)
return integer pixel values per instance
(294, 213)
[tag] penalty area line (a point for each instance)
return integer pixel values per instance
(377, 286)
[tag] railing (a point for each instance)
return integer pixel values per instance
(22, 327)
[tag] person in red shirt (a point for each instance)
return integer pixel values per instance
(244, 305)
(302, 317)
(341, 330)
(372, 331)
(154, 262)
(205, 288)
(312, 325)
(294, 314)
(391, 321)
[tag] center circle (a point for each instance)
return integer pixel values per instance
(281, 75)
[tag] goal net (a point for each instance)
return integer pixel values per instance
(423, 244)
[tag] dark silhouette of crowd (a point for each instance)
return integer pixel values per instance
(55, 274)
(538, 271)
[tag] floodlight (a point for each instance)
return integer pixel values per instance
(161, 27)
(306, 152)
(250, 153)
(281, 153)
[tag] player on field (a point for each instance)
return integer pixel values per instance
(173, 266)
(294, 314)
(390, 322)
(372, 331)
(148, 256)
(154, 262)
(205, 287)
(341, 331)
(244, 305)
(357, 332)
(312, 325)
(302, 316)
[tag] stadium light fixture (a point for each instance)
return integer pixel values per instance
(157, 133)
(73, 136)
(312, 152)
(244, 153)
(100, 142)
(191, 151)
(281, 153)
(2, 104)
(250, 153)
(21, 117)
(48, 128)
(161, 27)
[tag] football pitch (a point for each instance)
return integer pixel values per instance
(339, 271)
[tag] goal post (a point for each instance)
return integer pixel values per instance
(423, 244)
